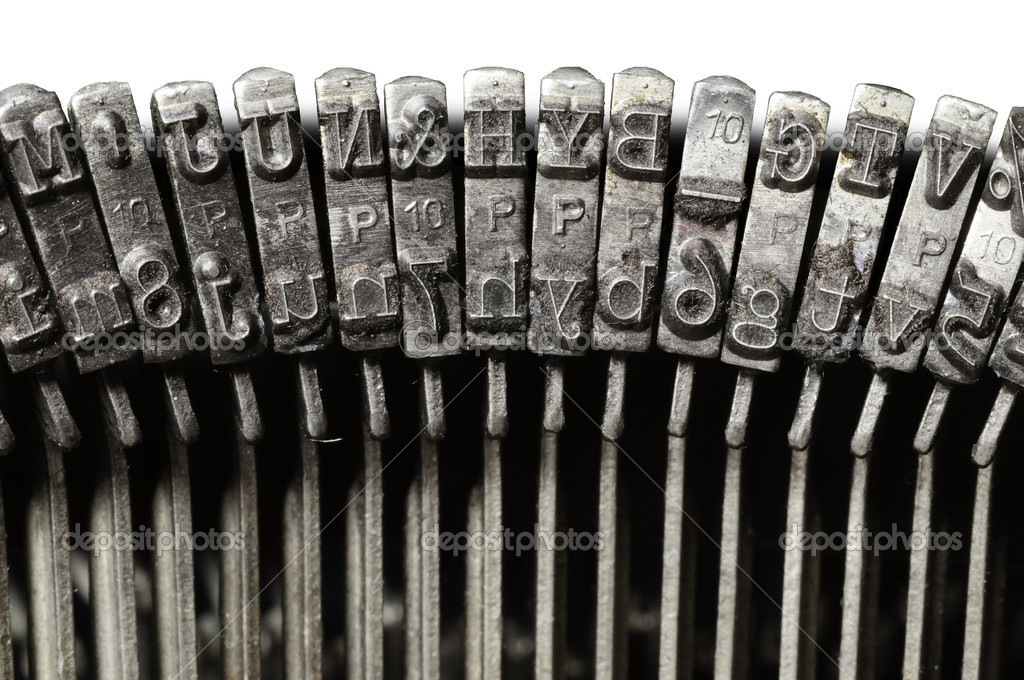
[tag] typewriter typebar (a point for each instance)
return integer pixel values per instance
(497, 391)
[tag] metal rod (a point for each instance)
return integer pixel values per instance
(239, 569)
(924, 605)
(549, 620)
(857, 629)
(985, 448)
(112, 572)
(174, 576)
(675, 651)
(314, 417)
(51, 614)
(303, 627)
(803, 421)
(864, 435)
(797, 648)
(6, 636)
(183, 420)
(58, 423)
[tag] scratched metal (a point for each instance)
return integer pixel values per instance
(933, 216)
(965, 329)
(425, 231)
(294, 278)
(496, 216)
(362, 243)
(776, 227)
(29, 329)
(114, 148)
(844, 257)
(631, 209)
(708, 203)
(50, 184)
(192, 139)
(570, 145)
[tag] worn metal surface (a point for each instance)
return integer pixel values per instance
(29, 328)
(708, 205)
(845, 253)
(49, 183)
(422, 193)
(191, 134)
(114, 148)
(362, 243)
(966, 328)
(631, 209)
(294, 281)
(570, 145)
(909, 292)
(359, 217)
(496, 209)
(828, 322)
(187, 118)
(773, 238)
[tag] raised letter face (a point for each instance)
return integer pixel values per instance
(425, 231)
(50, 185)
(112, 140)
(192, 135)
(497, 260)
(362, 243)
(990, 260)
(776, 227)
(922, 250)
(570, 145)
(294, 279)
(835, 294)
(631, 209)
(708, 202)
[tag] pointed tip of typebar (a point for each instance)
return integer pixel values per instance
(554, 397)
(985, 449)
(184, 424)
(378, 421)
(497, 397)
(736, 428)
(58, 423)
(679, 413)
(803, 421)
(928, 430)
(864, 436)
(614, 423)
(433, 403)
(314, 416)
(118, 407)
(247, 409)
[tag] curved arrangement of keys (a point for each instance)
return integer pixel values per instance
(568, 244)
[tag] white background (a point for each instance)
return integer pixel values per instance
(929, 49)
